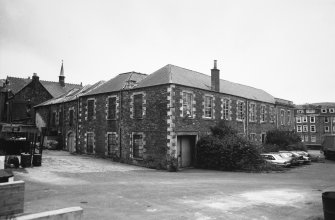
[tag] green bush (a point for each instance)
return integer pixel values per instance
(277, 140)
(225, 150)
(266, 148)
(282, 138)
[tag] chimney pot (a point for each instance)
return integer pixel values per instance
(215, 66)
(35, 77)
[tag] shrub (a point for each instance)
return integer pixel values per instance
(266, 148)
(282, 138)
(225, 150)
(277, 140)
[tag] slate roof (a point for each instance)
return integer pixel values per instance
(324, 104)
(71, 95)
(178, 75)
(316, 105)
(54, 88)
(118, 83)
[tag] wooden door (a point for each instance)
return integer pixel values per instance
(185, 149)
(70, 143)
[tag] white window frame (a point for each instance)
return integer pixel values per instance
(327, 119)
(304, 119)
(299, 128)
(141, 148)
(327, 129)
(108, 150)
(272, 114)
(188, 110)
(282, 116)
(93, 140)
(305, 128)
(240, 112)
(302, 138)
(208, 108)
(298, 119)
(331, 110)
(252, 112)
(313, 138)
(263, 113)
(300, 111)
(134, 116)
(309, 111)
(288, 117)
(310, 119)
(94, 105)
(116, 107)
(312, 128)
(306, 138)
(225, 108)
(323, 110)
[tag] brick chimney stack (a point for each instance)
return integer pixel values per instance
(215, 78)
(35, 77)
(61, 76)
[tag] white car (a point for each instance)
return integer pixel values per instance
(276, 159)
(289, 156)
(304, 155)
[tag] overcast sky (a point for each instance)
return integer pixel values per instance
(285, 47)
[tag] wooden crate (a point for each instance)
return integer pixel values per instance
(11, 198)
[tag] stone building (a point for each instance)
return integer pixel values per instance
(59, 117)
(315, 120)
(140, 119)
(19, 95)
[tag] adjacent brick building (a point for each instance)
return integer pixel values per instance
(315, 120)
(19, 95)
(59, 117)
(141, 119)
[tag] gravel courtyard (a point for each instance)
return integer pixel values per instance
(110, 190)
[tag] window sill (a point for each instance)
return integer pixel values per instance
(207, 118)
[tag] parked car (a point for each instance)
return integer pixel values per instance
(293, 159)
(304, 155)
(300, 160)
(275, 158)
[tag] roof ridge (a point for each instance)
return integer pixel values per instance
(40, 80)
(131, 72)
(220, 79)
(18, 77)
(58, 82)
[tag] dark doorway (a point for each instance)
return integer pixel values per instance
(186, 149)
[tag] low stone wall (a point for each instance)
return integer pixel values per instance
(11, 198)
(72, 213)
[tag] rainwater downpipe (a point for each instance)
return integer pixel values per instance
(120, 118)
(247, 120)
(77, 124)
